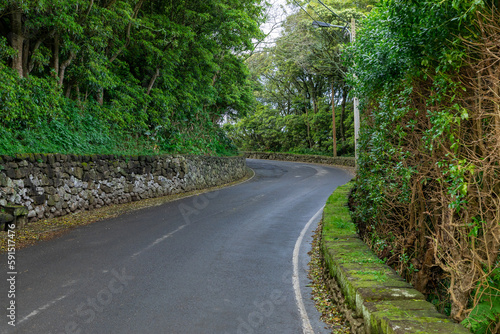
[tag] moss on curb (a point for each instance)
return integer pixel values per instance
(375, 291)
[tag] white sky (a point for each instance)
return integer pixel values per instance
(277, 14)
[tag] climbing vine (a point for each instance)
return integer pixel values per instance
(428, 186)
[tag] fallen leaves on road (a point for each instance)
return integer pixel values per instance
(325, 304)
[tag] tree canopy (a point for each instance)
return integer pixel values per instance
(161, 72)
(295, 81)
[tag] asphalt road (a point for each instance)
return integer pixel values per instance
(220, 262)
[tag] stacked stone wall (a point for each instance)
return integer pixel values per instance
(51, 185)
(319, 159)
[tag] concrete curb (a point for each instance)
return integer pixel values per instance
(375, 292)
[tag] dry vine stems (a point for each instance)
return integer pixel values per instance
(449, 229)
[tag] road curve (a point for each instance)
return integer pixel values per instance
(220, 262)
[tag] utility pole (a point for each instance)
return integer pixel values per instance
(334, 130)
(352, 35)
(356, 101)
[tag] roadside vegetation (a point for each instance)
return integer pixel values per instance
(123, 77)
(427, 193)
(330, 304)
(153, 77)
(296, 80)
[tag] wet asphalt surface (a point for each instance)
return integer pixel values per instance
(219, 262)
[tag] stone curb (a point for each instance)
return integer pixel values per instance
(375, 292)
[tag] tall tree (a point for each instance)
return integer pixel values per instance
(303, 75)
(150, 65)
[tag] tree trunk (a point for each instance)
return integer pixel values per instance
(31, 63)
(78, 96)
(17, 40)
(100, 96)
(342, 114)
(153, 79)
(55, 55)
(26, 53)
(68, 91)
(334, 130)
(137, 7)
(111, 3)
(308, 128)
(315, 106)
(315, 103)
(89, 8)
(64, 65)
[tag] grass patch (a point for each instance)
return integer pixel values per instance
(336, 218)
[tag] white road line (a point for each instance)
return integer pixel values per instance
(157, 241)
(168, 235)
(40, 309)
(306, 324)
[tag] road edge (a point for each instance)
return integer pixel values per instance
(306, 324)
(52, 228)
(375, 292)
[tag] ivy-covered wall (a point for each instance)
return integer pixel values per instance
(428, 180)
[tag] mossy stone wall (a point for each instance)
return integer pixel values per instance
(377, 294)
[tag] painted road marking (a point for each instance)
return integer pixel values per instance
(306, 324)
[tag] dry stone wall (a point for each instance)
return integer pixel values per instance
(53, 185)
(319, 159)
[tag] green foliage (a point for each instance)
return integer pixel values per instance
(269, 130)
(420, 175)
(150, 75)
(486, 314)
(336, 215)
(400, 44)
(294, 82)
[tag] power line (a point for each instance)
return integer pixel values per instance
(298, 4)
(321, 2)
(336, 33)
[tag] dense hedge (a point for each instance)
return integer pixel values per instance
(428, 185)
